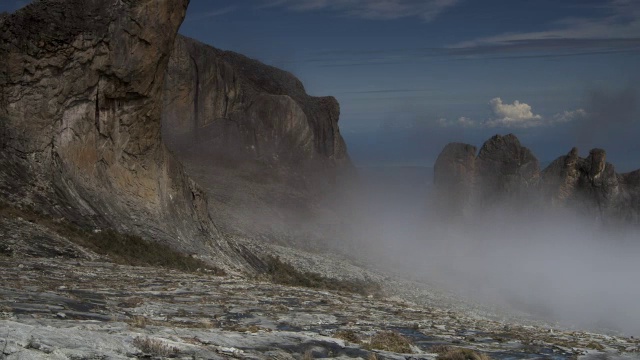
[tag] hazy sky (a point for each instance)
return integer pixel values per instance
(412, 75)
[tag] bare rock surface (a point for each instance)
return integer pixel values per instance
(57, 308)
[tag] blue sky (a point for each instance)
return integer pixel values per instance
(412, 75)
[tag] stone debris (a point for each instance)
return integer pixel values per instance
(51, 308)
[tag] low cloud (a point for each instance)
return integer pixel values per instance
(370, 9)
(512, 115)
(461, 122)
(515, 115)
(568, 116)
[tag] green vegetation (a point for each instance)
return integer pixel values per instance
(391, 341)
(154, 347)
(348, 335)
(453, 353)
(282, 273)
(121, 248)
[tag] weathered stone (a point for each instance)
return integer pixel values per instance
(506, 173)
(223, 103)
(454, 175)
(503, 170)
(81, 96)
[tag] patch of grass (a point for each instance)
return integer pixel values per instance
(121, 248)
(595, 346)
(283, 273)
(154, 347)
(451, 353)
(348, 335)
(132, 302)
(391, 341)
(133, 250)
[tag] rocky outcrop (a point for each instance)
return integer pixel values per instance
(268, 154)
(220, 103)
(454, 176)
(502, 171)
(506, 173)
(81, 89)
(592, 186)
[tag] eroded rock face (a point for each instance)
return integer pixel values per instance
(505, 168)
(589, 185)
(506, 173)
(268, 154)
(502, 171)
(80, 116)
(225, 104)
(454, 176)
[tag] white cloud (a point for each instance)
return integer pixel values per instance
(516, 115)
(568, 116)
(461, 122)
(512, 115)
(371, 9)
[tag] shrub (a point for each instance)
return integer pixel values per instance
(461, 354)
(154, 347)
(348, 335)
(286, 274)
(391, 341)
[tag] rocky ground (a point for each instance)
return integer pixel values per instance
(58, 301)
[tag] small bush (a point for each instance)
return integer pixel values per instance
(595, 346)
(348, 335)
(133, 250)
(154, 347)
(391, 341)
(285, 274)
(461, 354)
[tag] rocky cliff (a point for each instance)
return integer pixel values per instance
(81, 89)
(89, 88)
(265, 150)
(225, 104)
(505, 173)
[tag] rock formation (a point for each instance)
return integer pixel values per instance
(88, 89)
(81, 85)
(454, 176)
(225, 104)
(505, 173)
(592, 186)
(503, 170)
(266, 152)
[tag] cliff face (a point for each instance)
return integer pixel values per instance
(266, 152)
(225, 104)
(504, 172)
(81, 89)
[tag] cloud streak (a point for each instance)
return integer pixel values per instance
(370, 9)
(618, 28)
(214, 13)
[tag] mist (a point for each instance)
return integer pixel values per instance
(548, 264)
